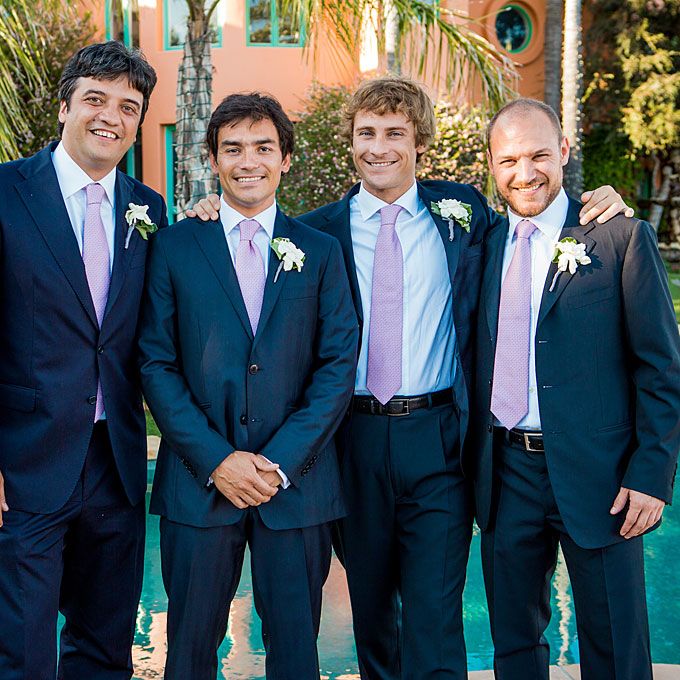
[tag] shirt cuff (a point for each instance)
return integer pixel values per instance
(285, 482)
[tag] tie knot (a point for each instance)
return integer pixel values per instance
(248, 229)
(388, 214)
(525, 228)
(95, 194)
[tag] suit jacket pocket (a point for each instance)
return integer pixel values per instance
(17, 398)
(293, 292)
(590, 296)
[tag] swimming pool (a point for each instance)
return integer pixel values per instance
(242, 655)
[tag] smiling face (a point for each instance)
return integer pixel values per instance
(100, 123)
(249, 163)
(526, 158)
(385, 153)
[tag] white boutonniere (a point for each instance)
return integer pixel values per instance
(290, 255)
(452, 210)
(569, 254)
(137, 218)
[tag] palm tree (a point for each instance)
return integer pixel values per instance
(572, 95)
(194, 179)
(428, 38)
(20, 63)
(424, 32)
(552, 54)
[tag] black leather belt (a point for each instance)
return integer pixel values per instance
(529, 440)
(401, 406)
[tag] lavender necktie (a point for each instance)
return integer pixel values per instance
(97, 264)
(510, 393)
(250, 271)
(383, 377)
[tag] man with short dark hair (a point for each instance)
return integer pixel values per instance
(72, 427)
(574, 425)
(248, 343)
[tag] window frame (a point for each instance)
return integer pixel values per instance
(274, 42)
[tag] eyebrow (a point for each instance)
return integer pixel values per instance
(101, 93)
(389, 129)
(511, 156)
(258, 142)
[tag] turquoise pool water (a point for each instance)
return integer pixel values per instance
(242, 656)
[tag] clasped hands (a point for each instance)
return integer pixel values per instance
(247, 479)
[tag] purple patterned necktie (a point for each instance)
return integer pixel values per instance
(250, 271)
(97, 264)
(383, 377)
(510, 393)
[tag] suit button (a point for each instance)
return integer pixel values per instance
(100, 349)
(243, 420)
(490, 428)
(92, 400)
(253, 369)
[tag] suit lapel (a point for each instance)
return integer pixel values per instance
(339, 226)
(211, 240)
(491, 281)
(452, 248)
(124, 195)
(273, 290)
(41, 194)
(575, 230)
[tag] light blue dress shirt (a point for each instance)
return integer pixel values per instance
(549, 225)
(72, 181)
(429, 336)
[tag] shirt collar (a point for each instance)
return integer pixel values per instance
(369, 204)
(231, 218)
(72, 178)
(550, 221)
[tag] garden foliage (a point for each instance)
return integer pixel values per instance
(322, 169)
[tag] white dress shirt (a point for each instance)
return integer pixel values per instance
(72, 182)
(429, 337)
(549, 225)
(230, 219)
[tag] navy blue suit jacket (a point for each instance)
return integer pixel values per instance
(51, 347)
(608, 374)
(214, 388)
(464, 259)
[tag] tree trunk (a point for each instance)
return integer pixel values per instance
(193, 178)
(552, 50)
(572, 95)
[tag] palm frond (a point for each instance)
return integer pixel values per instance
(431, 41)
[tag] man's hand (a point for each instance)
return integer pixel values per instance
(273, 478)
(239, 477)
(3, 503)
(209, 208)
(602, 203)
(643, 511)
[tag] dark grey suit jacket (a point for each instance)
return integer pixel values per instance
(608, 373)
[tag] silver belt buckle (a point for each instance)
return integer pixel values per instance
(527, 441)
(405, 412)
